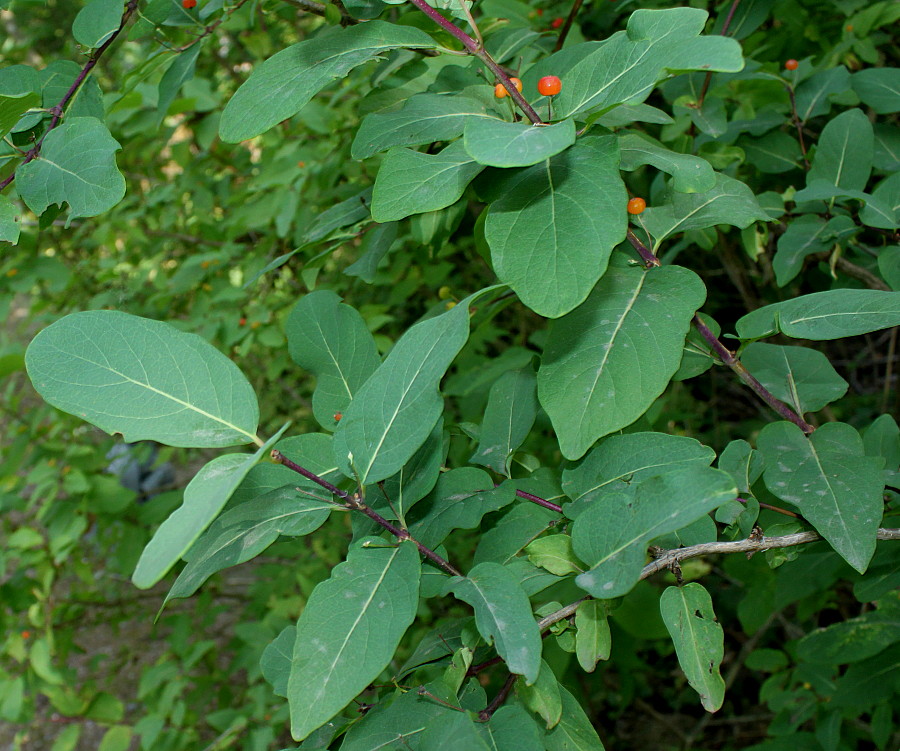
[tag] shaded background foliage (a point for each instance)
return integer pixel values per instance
(202, 220)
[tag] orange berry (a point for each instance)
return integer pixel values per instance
(517, 83)
(242, 322)
(338, 416)
(549, 86)
(849, 27)
(791, 64)
(188, 4)
(12, 272)
(636, 205)
(26, 634)
(500, 90)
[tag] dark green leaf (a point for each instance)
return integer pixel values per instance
(853, 640)
(802, 377)
(330, 339)
(844, 152)
(607, 361)
(824, 315)
(396, 409)
(553, 226)
(593, 640)
(624, 459)
(612, 534)
(690, 174)
(281, 86)
(349, 630)
(698, 638)
(512, 534)
(511, 728)
(879, 89)
(511, 410)
(496, 143)
(574, 731)
(503, 616)
(411, 182)
(143, 379)
(828, 477)
(77, 165)
(96, 22)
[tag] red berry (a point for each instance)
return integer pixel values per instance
(242, 322)
(549, 85)
(540, 12)
(338, 416)
(791, 64)
(188, 4)
(636, 205)
(556, 23)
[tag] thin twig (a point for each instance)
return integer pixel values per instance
(485, 714)
(570, 19)
(728, 358)
(539, 501)
(724, 31)
(475, 49)
(355, 502)
(647, 256)
(796, 118)
(59, 109)
(669, 557)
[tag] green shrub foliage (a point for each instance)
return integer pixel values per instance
(511, 460)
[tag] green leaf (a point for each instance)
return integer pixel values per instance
(889, 266)
(454, 731)
(592, 385)
(698, 639)
(543, 697)
(204, 497)
(9, 221)
(593, 640)
(512, 534)
(143, 379)
(496, 143)
(282, 85)
(411, 182)
(424, 118)
(178, 73)
(729, 202)
(77, 165)
(803, 237)
(503, 616)
(844, 152)
(824, 315)
(460, 499)
(349, 630)
(813, 96)
(511, 410)
(802, 377)
(375, 245)
(20, 88)
(275, 662)
(828, 477)
(624, 459)
(96, 22)
(395, 410)
(398, 726)
(774, 153)
(612, 534)
(511, 728)
(690, 174)
(330, 339)
(574, 731)
(628, 65)
(883, 208)
(246, 531)
(553, 226)
(555, 554)
(882, 438)
(851, 641)
(878, 89)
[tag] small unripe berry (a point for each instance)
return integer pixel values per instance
(500, 90)
(791, 64)
(549, 85)
(636, 205)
